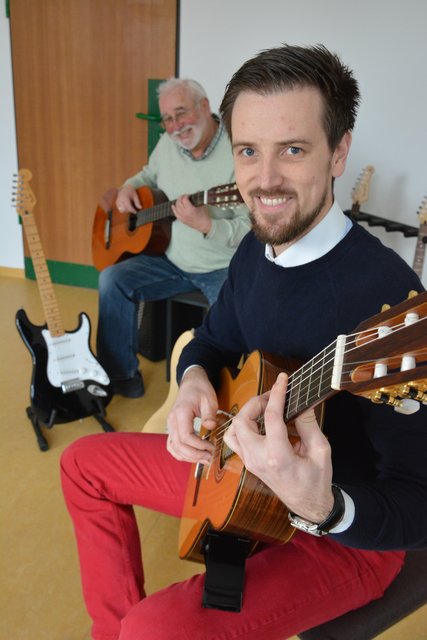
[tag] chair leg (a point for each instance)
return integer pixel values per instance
(169, 345)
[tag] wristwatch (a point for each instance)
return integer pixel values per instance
(321, 528)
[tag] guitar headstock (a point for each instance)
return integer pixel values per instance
(23, 197)
(225, 195)
(385, 359)
(360, 191)
(422, 211)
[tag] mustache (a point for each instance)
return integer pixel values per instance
(184, 129)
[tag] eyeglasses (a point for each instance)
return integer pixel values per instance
(180, 115)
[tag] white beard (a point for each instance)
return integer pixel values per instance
(193, 141)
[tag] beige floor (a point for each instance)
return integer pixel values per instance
(40, 592)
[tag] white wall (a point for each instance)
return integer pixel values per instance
(11, 248)
(383, 41)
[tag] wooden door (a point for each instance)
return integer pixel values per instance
(80, 72)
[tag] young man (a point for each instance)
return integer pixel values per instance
(193, 155)
(303, 276)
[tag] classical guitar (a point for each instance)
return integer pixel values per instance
(68, 383)
(117, 236)
(420, 247)
(384, 360)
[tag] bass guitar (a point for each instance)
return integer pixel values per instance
(117, 236)
(384, 360)
(67, 383)
(420, 247)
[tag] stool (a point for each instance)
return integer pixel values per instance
(407, 593)
(174, 328)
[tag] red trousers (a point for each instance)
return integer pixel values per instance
(288, 588)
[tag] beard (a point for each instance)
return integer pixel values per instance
(285, 231)
(189, 145)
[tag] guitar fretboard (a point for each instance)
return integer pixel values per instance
(164, 210)
(44, 282)
(420, 250)
(311, 383)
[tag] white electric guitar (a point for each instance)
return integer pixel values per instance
(68, 383)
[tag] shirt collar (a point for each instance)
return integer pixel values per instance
(211, 146)
(316, 243)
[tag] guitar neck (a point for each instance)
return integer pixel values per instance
(420, 250)
(315, 381)
(44, 282)
(164, 209)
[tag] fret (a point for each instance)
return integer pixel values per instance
(164, 209)
(44, 282)
(310, 383)
(420, 250)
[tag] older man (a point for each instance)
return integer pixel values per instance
(193, 155)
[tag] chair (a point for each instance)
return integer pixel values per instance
(174, 326)
(407, 593)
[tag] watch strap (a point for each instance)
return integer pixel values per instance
(331, 520)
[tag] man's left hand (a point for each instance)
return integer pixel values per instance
(196, 217)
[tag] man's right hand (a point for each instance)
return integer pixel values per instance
(128, 200)
(196, 399)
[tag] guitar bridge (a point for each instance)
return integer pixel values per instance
(72, 385)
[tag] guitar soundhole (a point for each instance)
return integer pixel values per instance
(224, 420)
(132, 221)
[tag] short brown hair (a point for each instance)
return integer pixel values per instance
(290, 66)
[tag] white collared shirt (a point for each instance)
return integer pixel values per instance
(316, 243)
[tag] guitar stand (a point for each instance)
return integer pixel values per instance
(225, 557)
(37, 424)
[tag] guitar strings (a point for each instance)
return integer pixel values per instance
(296, 378)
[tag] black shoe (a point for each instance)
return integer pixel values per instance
(129, 387)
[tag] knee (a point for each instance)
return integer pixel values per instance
(73, 459)
(107, 279)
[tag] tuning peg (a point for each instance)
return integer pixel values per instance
(408, 363)
(407, 407)
(412, 294)
(411, 318)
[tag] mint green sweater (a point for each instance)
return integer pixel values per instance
(176, 173)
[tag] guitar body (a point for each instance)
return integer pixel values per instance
(115, 236)
(384, 360)
(48, 401)
(225, 496)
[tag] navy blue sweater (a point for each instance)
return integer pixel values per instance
(379, 456)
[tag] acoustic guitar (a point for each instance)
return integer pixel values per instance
(117, 236)
(384, 360)
(67, 383)
(420, 247)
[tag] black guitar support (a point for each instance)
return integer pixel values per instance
(37, 424)
(225, 556)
